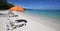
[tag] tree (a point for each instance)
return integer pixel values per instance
(4, 5)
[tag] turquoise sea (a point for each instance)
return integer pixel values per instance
(54, 14)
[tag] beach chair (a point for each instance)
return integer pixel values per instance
(17, 23)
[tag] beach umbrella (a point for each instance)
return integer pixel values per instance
(17, 8)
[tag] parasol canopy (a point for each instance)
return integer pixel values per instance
(17, 8)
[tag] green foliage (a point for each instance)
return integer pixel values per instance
(4, 5)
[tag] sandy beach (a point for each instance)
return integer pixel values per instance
(35, 23)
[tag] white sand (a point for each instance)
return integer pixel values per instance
(35, 23)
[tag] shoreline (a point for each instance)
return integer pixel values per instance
(43, 17)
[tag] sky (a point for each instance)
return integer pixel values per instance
(37, 4)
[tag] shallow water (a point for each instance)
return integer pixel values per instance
(54, 14)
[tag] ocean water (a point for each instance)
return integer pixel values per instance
(54, 14)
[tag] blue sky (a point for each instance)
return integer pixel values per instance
(37, 4)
